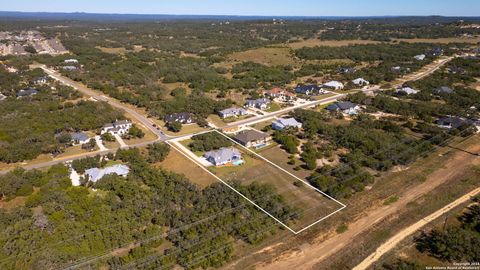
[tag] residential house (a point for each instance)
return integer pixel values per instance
(95, 174)
(224, 156)
(443, 90)
(283, 123)
(261, 103)
(346, 107)
(2, 97)
(308, 90)
(253, 138)
(183, 117)
(435, 52)
(453, 122)
(69, 68)
(27, 92)
(456, 70)
(280, 94)
(71, 61)
(40, 80)
(333, 85)
(80, 138)
(232, 112)
(406, 90)
(360, 82)
(118, 127)
(346, 70)
(396, 69)
(420, 57)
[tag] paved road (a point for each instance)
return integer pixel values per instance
(395, 240)
(99, 96)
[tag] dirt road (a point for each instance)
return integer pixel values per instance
(392, 242)
(307, 256)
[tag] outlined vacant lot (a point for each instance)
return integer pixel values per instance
(311, 204)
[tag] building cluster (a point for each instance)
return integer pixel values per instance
(28, 42)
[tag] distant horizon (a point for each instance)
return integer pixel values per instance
(260, 8)
(234, 15)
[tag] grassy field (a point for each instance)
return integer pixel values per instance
(440, 40)
(311, 205)
(186, 129)
(270, 56)
(278, 156)
(273, 107)
(177, 163)
(329, 43)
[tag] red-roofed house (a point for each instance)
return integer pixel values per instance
(280, 94)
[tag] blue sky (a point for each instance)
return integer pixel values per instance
(254, 7)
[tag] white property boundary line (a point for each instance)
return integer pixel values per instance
(252, 202)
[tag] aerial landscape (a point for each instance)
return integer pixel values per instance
(240, 135)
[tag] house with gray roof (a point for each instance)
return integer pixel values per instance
(407, 90)
(119, 127)
(261, 103)
(308, 90)
(232, 112)
(443, 90)
(95, 174)
(346, 107)
(360, 82)
(80, 138)
(27, 92)
(2, 97)
(183, 117)
(283, 123)
(253, 138)
(224, 156)
(333, 85)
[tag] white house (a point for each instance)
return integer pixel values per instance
(231, 112)
(407, 90)
(333, 85)
(346, 107)
(95, 174)
(2, 97)
(360, 82)
(420, 57)
(261, 103)
(118, 127)
(282, 123)
(71, 61)
(80, 138)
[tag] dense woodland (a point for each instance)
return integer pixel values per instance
(60, 224)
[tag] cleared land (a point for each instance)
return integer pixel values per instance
(270, 56)
(177, 163)
(311, 204)
(329, 43)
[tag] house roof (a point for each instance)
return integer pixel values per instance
(341, 106)
(121, 122)
(96, 174)
(302, 89)
(250, 135)
(333, 84)
(233, 110)
(287, 122)
(360, 81)
(407, 90)
(257, 101)
(453, 121)
(178, 117)
(79, 136)
(222, 155)
(2, 97)
(443, 89)
(27, 92)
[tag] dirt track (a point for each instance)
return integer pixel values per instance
(307, 256)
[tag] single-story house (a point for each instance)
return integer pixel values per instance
(183, 117)
(71, 61)
(346, 70)
(435, 52)
(333, 85)
(69, 68)
(253, 138)
(456, 70)
(40, 80)
(279, 93)
(27, 92)
(80, 138)
(95, 174)
(420, 57)
(453, 122)
(2, 97)
(261, 103)
(360, 82)
(443, 90)
(118, 127)
(230, 112)
(308, 90)
(396, 69)
(282, 123)
(346, 107)
(224, 156)
(407, 90)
